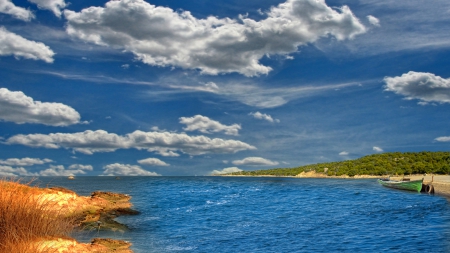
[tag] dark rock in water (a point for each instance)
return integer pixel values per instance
(105, 207)
(113, 245)
(111, 196)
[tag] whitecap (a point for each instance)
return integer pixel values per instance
(179, 248)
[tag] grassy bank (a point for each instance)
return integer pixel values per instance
(38, 220)
(26, 216)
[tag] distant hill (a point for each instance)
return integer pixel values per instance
(395, 163)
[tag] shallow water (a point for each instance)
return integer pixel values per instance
(223, 214)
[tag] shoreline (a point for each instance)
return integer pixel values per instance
(97, 213)
(441, 183)
(59, 205)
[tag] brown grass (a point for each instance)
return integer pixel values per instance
(26, 218)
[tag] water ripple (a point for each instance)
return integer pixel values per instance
(213, 214)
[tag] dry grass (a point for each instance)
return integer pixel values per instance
(26, 217)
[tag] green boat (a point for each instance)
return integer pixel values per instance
(415, 185)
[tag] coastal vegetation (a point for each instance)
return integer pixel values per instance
(395, 163)
(34, 219)
(24, 218)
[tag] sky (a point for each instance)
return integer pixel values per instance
(201, 87)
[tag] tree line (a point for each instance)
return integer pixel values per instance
(395, 163)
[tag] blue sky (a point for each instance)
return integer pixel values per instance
(146, 88)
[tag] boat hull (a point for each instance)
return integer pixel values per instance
(415, 185)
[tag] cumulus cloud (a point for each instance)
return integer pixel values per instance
(24, 161)
(344, 153)
(225, 171)
(207, 125)
(13, 44)
(443, 139)
(16, 107)
(8, 171)
(161, 36)
(373, 20)
(52, 171)
(263, 116)
(164, 151)
(255, 161)
(52, 5)
(153, 162)
(81, 167)
(425, 87)
(377, 149)
(89, 142)
(7, 7)
(118, 169)
(60, 171)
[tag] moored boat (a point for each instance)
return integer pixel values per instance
(415, 185)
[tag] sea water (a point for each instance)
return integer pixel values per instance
(241, 214)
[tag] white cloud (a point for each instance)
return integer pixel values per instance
(153, 162)
(52, 171)
(60, 171)
(13, 44)
(373, 20)
(377, 149)
(225, 171)
(263, 116)
(443, 139)
(211, 87)
(164, 151)
(253, 95)
(90, 142)
(246, 92)
(344, 153)
(7, 7)
(15, 106)
(160, 36)
(425, 87)
(206, 87)
(255, 161)
(24, 161)
(81, 167)
(118, 169)
(408, 26)
(53, 5)
(8, 171)
(207, 125)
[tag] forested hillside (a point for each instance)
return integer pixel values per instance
(378, 164)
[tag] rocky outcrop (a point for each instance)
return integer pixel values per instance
(45, 208)
(100, 209)
(97, 245)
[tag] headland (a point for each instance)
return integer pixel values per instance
(36, 219)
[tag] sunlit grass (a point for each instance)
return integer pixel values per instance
(27, 217)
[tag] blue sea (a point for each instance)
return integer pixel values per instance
(241, 214)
